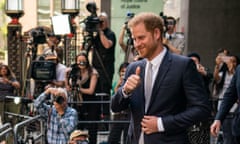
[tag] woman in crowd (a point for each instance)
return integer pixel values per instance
(83, 77)
(8, 87)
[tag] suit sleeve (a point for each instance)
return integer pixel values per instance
(119, 102)
(197, 103)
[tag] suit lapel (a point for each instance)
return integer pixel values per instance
(162, 71)
(142, 75)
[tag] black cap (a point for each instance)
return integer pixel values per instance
(91, 7)
(196, 55)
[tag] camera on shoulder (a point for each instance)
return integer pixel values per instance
(43, 70)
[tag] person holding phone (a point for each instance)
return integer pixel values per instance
(231, 96)
(225, 78)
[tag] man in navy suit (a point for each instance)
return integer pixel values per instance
(177, 99)
(231, 96)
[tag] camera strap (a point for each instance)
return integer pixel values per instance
(49, 117)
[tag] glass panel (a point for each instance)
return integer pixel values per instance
(14, 5)
(57, 7)
(43, 11)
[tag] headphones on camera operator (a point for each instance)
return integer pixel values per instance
(42, 69)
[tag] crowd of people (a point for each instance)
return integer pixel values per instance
(164, 94)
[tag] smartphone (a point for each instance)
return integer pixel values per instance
(226, 59)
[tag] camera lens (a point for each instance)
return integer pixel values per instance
(79, 142)
(82, 63)
(58, 99)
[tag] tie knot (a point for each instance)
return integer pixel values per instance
(150, 65)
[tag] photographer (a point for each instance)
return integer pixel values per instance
(174, 41)
(60, 72)
(127, 47)
(53, 46)
(81, 79)
(103, 58)
(61, 119)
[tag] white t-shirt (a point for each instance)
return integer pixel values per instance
(60, 72)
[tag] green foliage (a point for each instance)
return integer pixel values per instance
(2, 3)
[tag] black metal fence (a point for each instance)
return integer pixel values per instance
(32, 128)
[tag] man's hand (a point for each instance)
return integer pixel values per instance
(215, 127)
(165, 41)
(149, 124)
(201, 69)
(133, 81)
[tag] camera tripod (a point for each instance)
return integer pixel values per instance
(75, 98)
(129, 46)
(27, 90)
(102, 91)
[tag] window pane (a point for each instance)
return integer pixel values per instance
(43, 12)
(57, 7)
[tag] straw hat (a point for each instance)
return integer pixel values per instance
(77, 133)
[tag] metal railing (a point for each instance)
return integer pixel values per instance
(5, 129)
(26, 123)
(41, 136)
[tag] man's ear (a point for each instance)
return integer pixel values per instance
(157, 34)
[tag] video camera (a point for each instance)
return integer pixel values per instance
(39, 36)
(129, 16)
(74, 74)
(92, 22)
(58, 99)
(43, 70)
(91, 26)
(166, 22)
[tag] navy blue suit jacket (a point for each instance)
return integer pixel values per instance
(178, 96)
(231, 95)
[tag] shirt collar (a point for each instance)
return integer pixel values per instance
(167, 35)
(158, 59)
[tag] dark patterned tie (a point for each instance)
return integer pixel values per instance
(170, 37)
